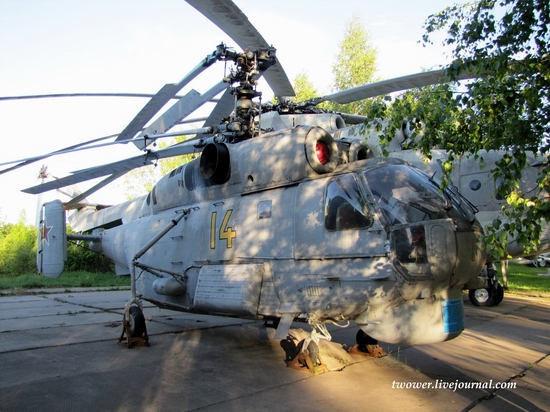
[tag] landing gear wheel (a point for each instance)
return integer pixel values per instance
(309, 359)
(366, 346)
(500, 294)
(137, 322)
(363, 339)
(312, 350)
(134, 330)
(490, 296)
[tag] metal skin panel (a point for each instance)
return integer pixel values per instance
(88, 218)
(225, 230)
(211, 228)
(442, 258)
(51, 252)
(169, 287)
(441, 254)
(335, 288)
(328, 121)
(471, 251)
(260, 168)
(435, 319)
(269, 299)
(267, 219)
(229, 289)
(313, 241)
(473, 170)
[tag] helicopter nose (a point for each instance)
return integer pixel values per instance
(437, 250)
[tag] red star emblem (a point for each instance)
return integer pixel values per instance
(45, 232)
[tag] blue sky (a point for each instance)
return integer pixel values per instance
(64, 46)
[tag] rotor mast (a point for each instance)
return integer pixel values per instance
(249, 65)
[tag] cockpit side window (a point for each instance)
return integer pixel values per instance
(406, 196)
(345, 207)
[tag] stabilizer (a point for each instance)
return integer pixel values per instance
(51, 252)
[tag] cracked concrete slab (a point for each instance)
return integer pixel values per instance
(71, 361)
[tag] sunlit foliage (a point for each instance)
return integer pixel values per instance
(506, 44)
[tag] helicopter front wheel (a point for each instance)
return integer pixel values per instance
(134, 330)
(366, 346)
(490, 296)
(137, 322)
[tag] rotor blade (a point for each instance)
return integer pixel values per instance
(75, 201)
(164, 95)
(222, 109)
(229, 18)
(63, 95)
(149, 139)
(72, 149)
(121, 166)
(57, 95)
(181, 109)
(86, 146)
(157, 102)
(192, 120)
(30, 160)
(353, 118)
(392, 85)
(184, 106)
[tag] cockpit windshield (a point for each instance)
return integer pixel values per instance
(345, 208)
(405, 195)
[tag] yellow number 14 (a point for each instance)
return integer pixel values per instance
(226, 233)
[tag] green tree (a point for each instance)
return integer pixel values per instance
(506, 107)
(17, 247)
(18, 251)
(81, 258)
(304, 88)
(355, 65)
(428, 111)
(140, 181)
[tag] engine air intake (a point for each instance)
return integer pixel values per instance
(214, 164)
(321, 150)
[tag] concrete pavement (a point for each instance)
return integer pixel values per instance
(58, 351)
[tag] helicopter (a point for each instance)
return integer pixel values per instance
(277, 219)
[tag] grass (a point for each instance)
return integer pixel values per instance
(524, 278)
(66, 280)
(521, 278)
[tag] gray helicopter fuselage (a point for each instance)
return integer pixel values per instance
(372, 241)
(290, 223)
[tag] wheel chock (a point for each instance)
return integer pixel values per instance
(373, 351)
(302, 362)
(127, 339)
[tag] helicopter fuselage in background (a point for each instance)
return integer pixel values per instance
(273, 228)
(471, 175)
